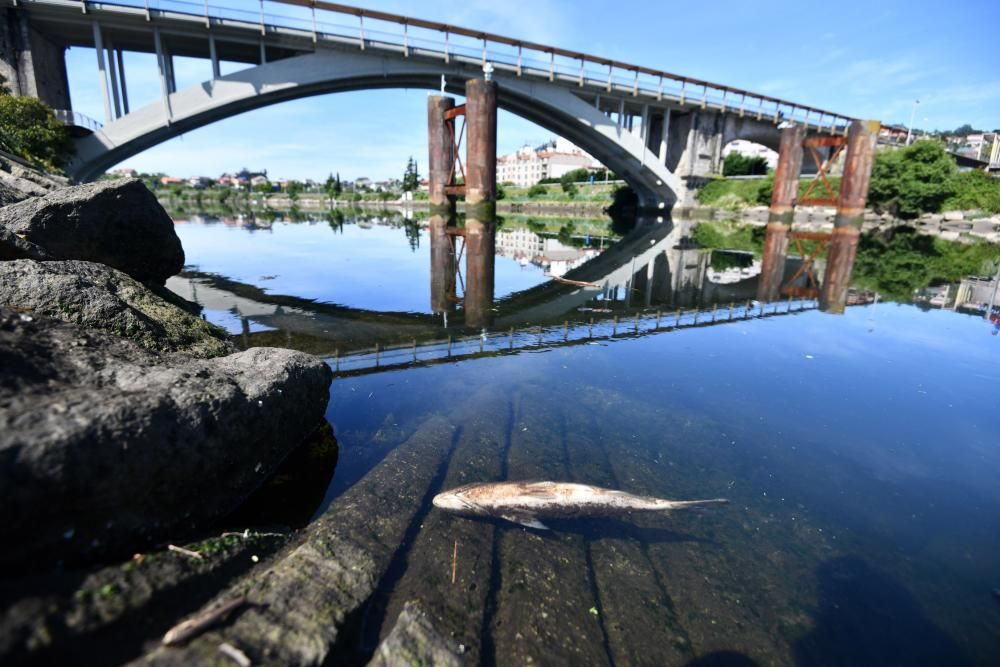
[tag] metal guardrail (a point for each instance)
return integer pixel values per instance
(534, 338)
(77, 119)
(322, 21)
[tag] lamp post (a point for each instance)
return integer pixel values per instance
(909, 128)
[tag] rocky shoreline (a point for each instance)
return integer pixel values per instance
(129, 425)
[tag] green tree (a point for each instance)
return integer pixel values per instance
(30, 130)
(294, 189)
(569, 188)
(411, 177)
(537, 190)
(737, 164)
(332, 186)
(263, 187)
(912, 180)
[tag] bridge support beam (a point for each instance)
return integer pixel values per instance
(99, 48)
(861, 139)
(481, 160)
(32, 65)
(779, 219)
(480, 200)
(441, 154)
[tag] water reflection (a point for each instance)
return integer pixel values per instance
(858, 451)
(351, 287)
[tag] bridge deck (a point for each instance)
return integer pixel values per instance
(303, 25)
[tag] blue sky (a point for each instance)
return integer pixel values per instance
(866, 59)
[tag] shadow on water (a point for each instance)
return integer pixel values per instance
(867, 618)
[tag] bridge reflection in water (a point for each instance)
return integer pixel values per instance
(654, 280)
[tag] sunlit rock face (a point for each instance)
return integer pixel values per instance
(119, 223)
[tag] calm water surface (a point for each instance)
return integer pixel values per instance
(860, 453)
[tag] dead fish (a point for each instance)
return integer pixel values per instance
(528, 502)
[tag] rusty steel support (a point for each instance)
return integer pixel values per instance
(480, 244)
(480, 200)
(441, 157)
(779, 219)
(443, 266)
(861, 139)
(481, 156)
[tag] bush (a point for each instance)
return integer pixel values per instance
(912, 180)
(974, 190)
(569, 188)
(731, 237)
(737, 164)
(30, 130)
(901, 261)
(537, 190)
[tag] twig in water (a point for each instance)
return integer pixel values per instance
(454, 562)
(199, 622)
(186, 552)
(237, 655)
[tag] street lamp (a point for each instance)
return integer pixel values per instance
(909, 129)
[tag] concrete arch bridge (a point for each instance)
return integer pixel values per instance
(663, 133)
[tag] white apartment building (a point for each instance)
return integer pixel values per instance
(526, 247)
(550, 160)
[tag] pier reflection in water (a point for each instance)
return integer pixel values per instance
(863, 524)
(551, 287)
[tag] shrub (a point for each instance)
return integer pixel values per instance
(29, 129)
(537, 190)
(912, 180)
(569, 188)
(737, 164)
(974, 190)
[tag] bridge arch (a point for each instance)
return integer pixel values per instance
(324, 71)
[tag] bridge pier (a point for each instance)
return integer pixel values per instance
(480, 200)
(779, 218)
(441, 154)
(861, 139)
(32, 64)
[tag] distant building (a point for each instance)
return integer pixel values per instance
(362, 183)
(529, 165)
(124, 173)
(171, 180)
(527, 247)
(199, 182)
(258, 180)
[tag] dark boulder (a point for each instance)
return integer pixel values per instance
(99, 297)
(105, 447)
(119, 223)
(13, 246)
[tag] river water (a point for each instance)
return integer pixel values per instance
(859, 451)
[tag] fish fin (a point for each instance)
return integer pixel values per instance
(526, 520)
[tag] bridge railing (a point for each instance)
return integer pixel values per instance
(326, 21)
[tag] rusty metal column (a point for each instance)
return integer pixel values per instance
(443, 266)
(481, 160)
(441, 154)
(861, 139)
(480, 200)
(779, 219)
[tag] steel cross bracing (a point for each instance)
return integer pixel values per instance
(317, 22)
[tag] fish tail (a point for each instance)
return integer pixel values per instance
(669, 505)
